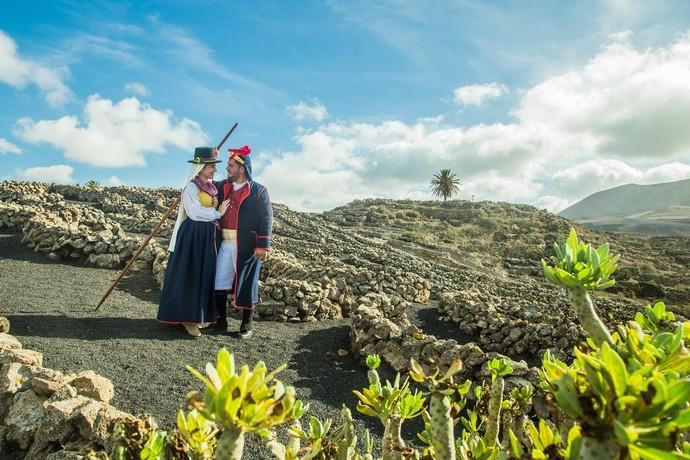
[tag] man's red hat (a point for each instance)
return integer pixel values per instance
(241, 156)
(238, 154)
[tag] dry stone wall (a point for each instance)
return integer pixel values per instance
(525, 320)
(328, 289)
(380, 326)
(46, 414)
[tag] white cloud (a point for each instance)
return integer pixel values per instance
(622, 36)
(113, 135)
(478, 94)
(8, 147)
(113, 181)
(396, 160)
(61, 174)
(594, 175)
(496, 187)
(138, 89)
(306, 111)
(552, 203)
(75, 47)
(18, 72)
(192, 52)
(624, 102)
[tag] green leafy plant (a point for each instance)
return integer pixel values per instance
(322, 442)
(130, 437)
(628, 394)
(245, 400)
(440, 422)
(199, 432)
(498, 367)
(154, 449)
(392, 404)
(580, 268)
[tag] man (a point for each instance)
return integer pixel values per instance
(245, 239)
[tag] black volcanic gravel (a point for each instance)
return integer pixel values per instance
(50, 306)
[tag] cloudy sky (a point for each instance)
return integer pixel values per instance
(535, 102)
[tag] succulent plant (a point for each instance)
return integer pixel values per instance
(514, 418)
(440, 421)
(245, 400)
(154, 449)
(130, 436)
(321, 442)
(546, 441)
(498, 367)
(630, 398)
(628, 394)
(392, 404)
(199, 432)
(580, 268)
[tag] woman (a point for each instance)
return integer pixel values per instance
(188, 287)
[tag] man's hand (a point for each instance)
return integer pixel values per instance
(260, 253)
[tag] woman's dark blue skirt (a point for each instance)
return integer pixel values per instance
(188, 295)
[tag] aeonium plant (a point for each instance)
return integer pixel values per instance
(628, 393)
(244, 400)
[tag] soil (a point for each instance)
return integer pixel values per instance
(51, 305)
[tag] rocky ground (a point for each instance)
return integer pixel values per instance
(50, 306)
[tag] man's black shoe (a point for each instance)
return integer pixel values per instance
(219, 326)
(245, 334)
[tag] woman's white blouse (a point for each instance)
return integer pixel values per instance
(193, 207)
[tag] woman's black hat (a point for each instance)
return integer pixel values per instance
(205, 155)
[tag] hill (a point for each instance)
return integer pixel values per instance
(429, 280)
(657, 209)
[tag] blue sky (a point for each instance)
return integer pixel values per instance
(538, 102)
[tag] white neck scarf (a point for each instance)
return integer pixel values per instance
(181, 214)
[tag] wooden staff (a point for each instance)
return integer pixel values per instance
(153, 233)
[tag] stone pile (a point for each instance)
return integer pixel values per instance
(328, 289)
(14, 216)
(45, 414)
(138, 195)
(312, 237)
(524, 319)
(13, 191)
(90, 238)
(514, 331)
(71, 231)
(159, 259)
(380, 326)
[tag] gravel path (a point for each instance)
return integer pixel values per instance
(50, 307)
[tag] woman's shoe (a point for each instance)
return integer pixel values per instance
(193, 330)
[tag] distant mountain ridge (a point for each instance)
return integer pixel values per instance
(656, 209)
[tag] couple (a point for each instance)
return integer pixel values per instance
(222, 234)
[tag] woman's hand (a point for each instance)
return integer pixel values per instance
(224, 207)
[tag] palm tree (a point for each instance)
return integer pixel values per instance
(92, 184)
(445, 184)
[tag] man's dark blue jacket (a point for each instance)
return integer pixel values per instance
(254, 224)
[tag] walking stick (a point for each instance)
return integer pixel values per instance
(153, 233)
